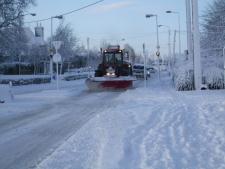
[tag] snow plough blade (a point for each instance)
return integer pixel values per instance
(108, 83)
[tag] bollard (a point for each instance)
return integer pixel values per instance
(10, 91)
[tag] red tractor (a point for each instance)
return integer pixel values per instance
(113, 73)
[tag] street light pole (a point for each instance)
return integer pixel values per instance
(157, 33)
(51, 46)
(179, 34)
(88, 59)
(189, 30)
(145, 77)
(179, 28)
(169, 45)
(224, 64)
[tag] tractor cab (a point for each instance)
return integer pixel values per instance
(113, 64)
(113, 56)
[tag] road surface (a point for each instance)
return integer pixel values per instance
(28, 138)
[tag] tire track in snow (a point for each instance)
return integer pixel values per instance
(133, 141)
(169, 139)
(212, 117)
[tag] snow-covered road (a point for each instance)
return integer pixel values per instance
(153, 128)
(26, 138)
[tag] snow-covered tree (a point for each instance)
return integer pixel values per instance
(13, 43)
(213, 35)
(131, 52)
(65, 33)
(213, 42)
(12, 12)
(12, 36)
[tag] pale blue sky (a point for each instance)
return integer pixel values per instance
(117, 19)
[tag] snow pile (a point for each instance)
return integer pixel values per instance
(31, 101)
(30, 97)
(151, 128)
(18, 80)
(214, 78)
(5, 92)
(184, 76)
(89, 148)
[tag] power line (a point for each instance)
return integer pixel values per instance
(67, 13)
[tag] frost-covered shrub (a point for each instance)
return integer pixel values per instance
(184, 79)
(25, 81)
(214, 78)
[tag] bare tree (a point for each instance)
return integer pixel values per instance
(65, 34)
(13, 42)
(12, 12)
(213, 36)
(12, 36)
(128, 48)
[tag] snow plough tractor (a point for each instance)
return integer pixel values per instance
(113, 72)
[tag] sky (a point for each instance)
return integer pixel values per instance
(114, 20)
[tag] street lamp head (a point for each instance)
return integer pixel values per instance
(164, 26)
(174, 12)
(58, 17)
(169, 12)
(31, 14)
(149, 15)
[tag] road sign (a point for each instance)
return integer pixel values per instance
(57, 58)
(57, 44)
(158, 53)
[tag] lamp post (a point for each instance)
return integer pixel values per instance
(51, 46)
(197, 54)
(31, 14)
(157, 33)
(145, 77)
(224, 64)
(169, 45)
(88, 57)
(179, 29)
(189, 30)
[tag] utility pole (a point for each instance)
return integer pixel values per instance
(51, 45)
(224, 63)
(189, 30)
(197, 54)
(88, 59)
(158, 47)
(174, 51)
(145, 77)
(179, 28)
(169, 50)
(169, 46)
(179, 35)
(157, 34)
(51, 51)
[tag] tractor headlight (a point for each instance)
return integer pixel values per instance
(110, 74)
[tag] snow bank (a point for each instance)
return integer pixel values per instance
(151, 128)
(33, 97)
(214, 77)
(184, 76)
